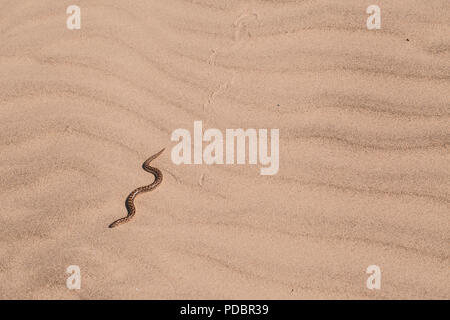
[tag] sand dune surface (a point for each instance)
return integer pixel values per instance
(364, 122)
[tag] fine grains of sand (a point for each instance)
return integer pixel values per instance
(364, 149)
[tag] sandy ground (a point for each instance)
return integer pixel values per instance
(364, 149)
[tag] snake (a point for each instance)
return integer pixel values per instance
(130, 199)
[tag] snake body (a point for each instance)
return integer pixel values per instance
(130, 199)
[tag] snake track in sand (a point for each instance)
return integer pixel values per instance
(130, 199)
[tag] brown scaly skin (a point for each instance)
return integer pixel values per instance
(130, 200)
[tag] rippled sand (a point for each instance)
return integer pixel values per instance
(364, 119)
